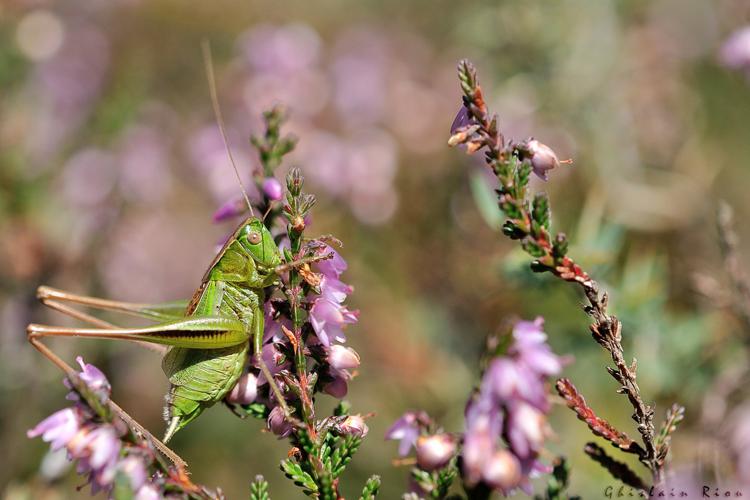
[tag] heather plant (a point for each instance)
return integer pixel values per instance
(300, 355)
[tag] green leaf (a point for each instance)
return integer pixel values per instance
(485, 200)
(259, 489)
(294, 471)
(540, 211)
(370, 491)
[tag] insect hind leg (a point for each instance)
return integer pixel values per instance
(35, 340)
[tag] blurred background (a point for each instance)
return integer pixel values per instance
(111, 166)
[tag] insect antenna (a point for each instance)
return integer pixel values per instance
(208, 62)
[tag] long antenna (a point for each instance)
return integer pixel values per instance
(208, 62)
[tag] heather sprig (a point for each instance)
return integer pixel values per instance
(528, 221)
(505, 423)
(305, 318)
(113, 457)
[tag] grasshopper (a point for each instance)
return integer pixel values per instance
(206, 340)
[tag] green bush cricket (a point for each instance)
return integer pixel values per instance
(207, 338)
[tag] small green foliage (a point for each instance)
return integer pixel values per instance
(343, 408)
(271, 146)
(256, 410)
(343, 454)
(522, 173)
(305, 443)
(259, 489)
(532, 248)
(294, 471)
(370, 491)
(467, 75)
(540, 210)
(560, 246)
(437, 483)
(558, 481)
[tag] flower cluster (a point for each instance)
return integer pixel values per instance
(512, 403)
(505, 424)
(105, 451)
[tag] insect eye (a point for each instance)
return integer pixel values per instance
(254, 238)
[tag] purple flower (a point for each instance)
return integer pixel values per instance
(329, 318)
(461, 120)
(541, 156)
(502, 471)
(58, 429)
(334, 289)
(337, 384)
(272, 189)
(272, 326)
(274, 359)
(407, 429)
(482, 431)
(527, 429)
(511, 403)
(230, 209)
(342, 358)
(97, 450)
(278, 424)
(333, 267)
(435, 451)
(244, 391)
(95, 380)
(735, 52)
(353, 425)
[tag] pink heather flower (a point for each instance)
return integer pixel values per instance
(735, 52)
(275, 361)
(342, 358)
(484, 424)
(278, 424)
(59, 428)
(244, 391)
(541, 156)
(272, 325)
(332, 268)
(329, 318)
(435, 451)
(97, 450)
(407, 429)
(334, 290)
(230, 209)
(134, 469)
(338, 385)
(461, 120)
(502, 471)
(272, 189)
(353, 425)
(95, 380)
(148, 492)
(511, 404)
(527, 429)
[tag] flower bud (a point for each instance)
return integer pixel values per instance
(298, 223)
(354, 425)
(434, 452)
(541, 156)
(244, 391)
(342, 358)
(272, 189)
(502, 471)
(232, 208)
(278, 423)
